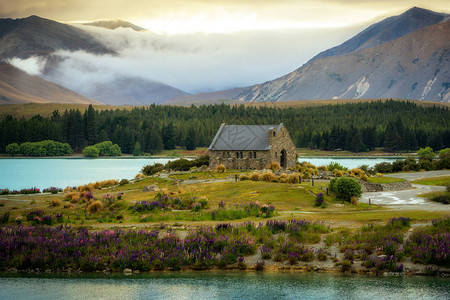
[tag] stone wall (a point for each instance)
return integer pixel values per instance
(233, 160)
(282, 141)
(368, 187)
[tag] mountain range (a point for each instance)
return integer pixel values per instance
(405, 56)
(400, 57)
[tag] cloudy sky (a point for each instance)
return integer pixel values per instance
(180, 16)
(206, 45)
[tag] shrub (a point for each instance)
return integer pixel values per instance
(274, 166)
(124, 181)
(91, 151)
(346, 265)
(294, 178)
(243, 177)
(338, 173)
(269, 177)
(345, 188)
(95, 207)
(4, 218)
(319, 199)
(383, 167)
(357, 171)
(107, 148)
(426, 153)
(73, 197)
(284, 178)
(55, 202)
(335, 165)
(260, 265)
(152, 169)
(354, 200)
(323, 168)
(13, 149)
(364, 177)
(221, 168)
(52, 190)
(443, 198)
(254, 176)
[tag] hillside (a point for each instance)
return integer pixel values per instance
(386, 31)
(38, 36)
(16, 86)
(415, 66)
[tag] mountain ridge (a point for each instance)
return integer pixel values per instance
(418, 61)
(17, 86)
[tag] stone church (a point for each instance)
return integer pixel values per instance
(252, 147)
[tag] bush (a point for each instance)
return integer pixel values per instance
(260, 265)
(13, 149)
(107, 148)
(345, 188)
(426, 153)
(91, 151)
(124, 181)
(294, 178)
(334, 165)
(274, 166)
(152, 169)
(383, 167)
(55, 202)
(95, 207)
(243, 177)
(269, 177)
(444, 198)
(4, 218)
(221, 168)
(254, 176)
(319, 199)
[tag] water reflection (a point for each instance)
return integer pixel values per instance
(225, 286)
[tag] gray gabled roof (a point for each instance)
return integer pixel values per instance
(243, 137)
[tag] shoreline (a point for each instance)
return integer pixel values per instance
(272, 269)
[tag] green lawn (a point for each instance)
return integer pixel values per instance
(442, 181)
(385, 179)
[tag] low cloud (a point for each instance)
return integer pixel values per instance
(193, 63)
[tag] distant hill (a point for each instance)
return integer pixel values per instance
(385, 31)
(203, 98)
(414, 66)
(113, 24)
(16, 86)
(38, 36)
(133, 91)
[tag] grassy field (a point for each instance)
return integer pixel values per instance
(289, 200)
(442, 181)
(385, 179)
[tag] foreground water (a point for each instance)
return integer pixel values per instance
(225, 286)
(19, 173)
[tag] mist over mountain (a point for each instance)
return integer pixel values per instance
(16, 86)
(35, 36)
(114, 24)
(118, 63)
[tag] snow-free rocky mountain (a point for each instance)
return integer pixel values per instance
(407, 56)
(39, 37)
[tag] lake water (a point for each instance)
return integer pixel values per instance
(215, 285)
(18, 173)
(346, 162)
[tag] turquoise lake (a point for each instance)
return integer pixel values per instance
(239, 285)
(18, 173)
